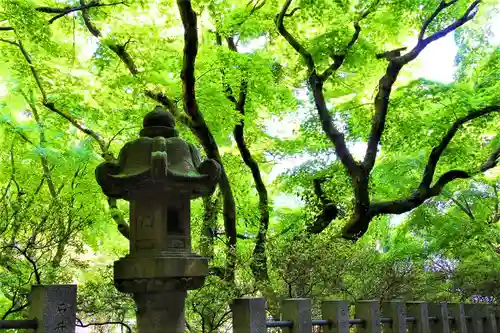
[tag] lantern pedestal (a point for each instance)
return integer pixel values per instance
(160, 312)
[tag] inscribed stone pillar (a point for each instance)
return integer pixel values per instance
(159, 174)
(54, 307)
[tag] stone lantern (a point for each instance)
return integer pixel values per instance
(159, 174)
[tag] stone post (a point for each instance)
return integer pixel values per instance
(420, 312)
(441, 312)
(159, 174)
(395, 310)
(54, 308)
(369, 312)
(337, 312)
(249, 315)
(458, 313)
(298, 311)
(475, 322)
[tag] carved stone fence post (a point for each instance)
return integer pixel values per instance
(52, 309)
(370, 317)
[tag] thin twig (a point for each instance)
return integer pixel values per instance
(61, 12)
(32, 262)
(81, 324)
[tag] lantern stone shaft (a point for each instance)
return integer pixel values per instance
(159, 174)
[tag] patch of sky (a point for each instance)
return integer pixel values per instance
(287, 164)
(396, 220)
(282, 127)
(495, 26)
(3, 88)
(253, 45)
(437, 61)
(285, 200)
(481, 188)
(88, 45)
(23, 116)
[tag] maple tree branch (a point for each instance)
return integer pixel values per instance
(164, 100)
(33, 263)
(61, 12)
(291, 12)
(316, 83)
(258, 5)
(437, 151)
(20, 133)
(446, 178)
(122, 53)
(335, 136)
(381, 108)
(338, 59)
(88, 23)
(69, 9)
(393, 68)
(329, 210)
(171, 107)
(463, 205)
(75, 122)
(34, 72)
(361, 219)
(291, 40)
(117, 216)
(189, 22)
(124, 56)
(441, 7)
(14, 309)
(43, 159)
(9, 42)
(119, 50)
(259, 260)
(492, 160)
(425, 190)
(389, 55)
(496, 214)
(468, 15)
(211, 209)
(201, 129)
(13, 167)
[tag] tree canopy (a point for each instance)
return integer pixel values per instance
(347, 172)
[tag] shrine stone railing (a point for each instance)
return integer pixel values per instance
(52, 309)
(249, 316)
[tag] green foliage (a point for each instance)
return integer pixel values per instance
(447, 249)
